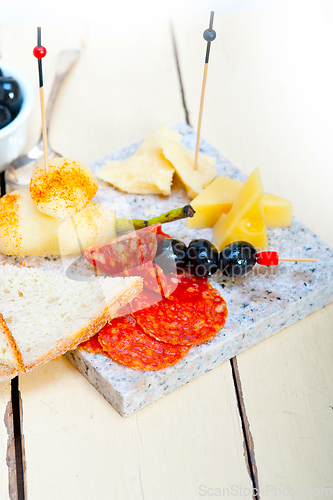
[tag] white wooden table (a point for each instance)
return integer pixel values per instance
(263, 420)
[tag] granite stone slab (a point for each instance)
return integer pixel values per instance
(262, 303)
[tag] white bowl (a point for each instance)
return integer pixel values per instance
(13, 137)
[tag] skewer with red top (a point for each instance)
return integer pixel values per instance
(39, 52)
(202, 259)
(272, 259)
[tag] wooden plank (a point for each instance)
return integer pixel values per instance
(7, 448)
(76, 444)
(286, 381)
(287, 387)
(189, 439)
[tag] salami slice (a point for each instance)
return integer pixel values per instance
(126, 342)
(116, 255)
(92, 345)
(126, 252)
(192, 314)
(149, 237)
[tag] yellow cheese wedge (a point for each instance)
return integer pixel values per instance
(278, 211)
(246, 219)
(218, 197)
(212, 202)
(182, 160)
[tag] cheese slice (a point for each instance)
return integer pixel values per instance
(182, 160)
(150, 143)
(95, 224)
(25, 230)
(218, 197)
(246, 219)
(147, 171)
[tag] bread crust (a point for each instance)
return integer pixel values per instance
(7, 372)
(10, 338)
(94, 325)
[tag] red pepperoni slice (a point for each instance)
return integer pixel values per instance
(92, 345)
(152, 276)
(126, 342)
(192, 314)
(185, 287)
(145, 299)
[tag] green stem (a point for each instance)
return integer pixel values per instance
(126, 225)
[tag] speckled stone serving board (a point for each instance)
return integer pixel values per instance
(260, 304)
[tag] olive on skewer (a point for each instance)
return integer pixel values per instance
(200, 258)
(171, 255)
(237, 259)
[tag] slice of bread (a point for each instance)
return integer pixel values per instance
(44, 314)
(6, 373)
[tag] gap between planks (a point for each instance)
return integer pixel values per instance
(13, 422)
(175, 51)
(17, 412)
(247, 436)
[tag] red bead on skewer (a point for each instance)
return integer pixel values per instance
(272, 259)
(267, 258)
(39, 52)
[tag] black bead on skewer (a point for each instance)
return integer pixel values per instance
(39, 52)
(40, 67)
(209, 35)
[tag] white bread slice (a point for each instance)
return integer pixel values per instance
(44, 314)
(6, 373)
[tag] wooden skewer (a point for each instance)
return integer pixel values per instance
(209, 35)
(289, 259)
(40, 52)
(200, 115)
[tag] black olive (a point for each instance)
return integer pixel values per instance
(10, 94)
(171, 255)
(237, 259)
(202, 258)
(5, 116)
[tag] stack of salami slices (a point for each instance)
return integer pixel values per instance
(173, 313)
